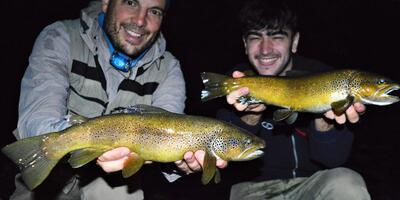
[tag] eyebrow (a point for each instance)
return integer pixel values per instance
(269, 32)
(277, 32)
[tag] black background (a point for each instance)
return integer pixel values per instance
(204, 36)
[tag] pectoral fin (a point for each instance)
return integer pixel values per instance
(339, 107)
(209, 168)
(217, 176)
(132, 165)
(83, 156)
(285, 114)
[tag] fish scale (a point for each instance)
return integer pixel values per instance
(152, 133)
(317, 93)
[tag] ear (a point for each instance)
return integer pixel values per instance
(245, 45)
(295, 42)
(104, 5)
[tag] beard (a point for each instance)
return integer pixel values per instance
(113, 32)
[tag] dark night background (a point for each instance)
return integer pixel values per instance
(204, 36)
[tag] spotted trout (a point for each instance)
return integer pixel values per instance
(152, 133)
(317, 93)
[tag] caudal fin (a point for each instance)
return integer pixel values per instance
(213, 85)
(31, 158)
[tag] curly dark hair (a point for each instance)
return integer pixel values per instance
(267, 14)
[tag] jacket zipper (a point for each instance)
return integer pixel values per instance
(296, 161)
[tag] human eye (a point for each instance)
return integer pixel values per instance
(131, 3)
(279, 37)
(253, 37)
(156, 12)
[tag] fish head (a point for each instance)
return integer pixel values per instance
(374, 89)
(236, 144)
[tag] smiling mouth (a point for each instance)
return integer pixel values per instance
(134, 34)
(133, 37)
(267, 60)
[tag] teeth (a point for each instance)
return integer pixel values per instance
(133, 34)
(268, 59)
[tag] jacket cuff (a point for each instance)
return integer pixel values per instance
(326, 136)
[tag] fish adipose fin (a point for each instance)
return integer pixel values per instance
(213, 85)
(132, 165)
(209, 169)
(83, 156)
(285, 114)
(32, 160)
(339, 107)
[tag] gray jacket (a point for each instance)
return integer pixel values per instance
(49, 89)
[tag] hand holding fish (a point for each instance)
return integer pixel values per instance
(154, 134)
(232, 98)
(352, 114)
(340, 95)
(193, 162)
(113, 160)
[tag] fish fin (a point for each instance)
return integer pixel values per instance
(132, 165)
(209, 168)
(292, 118)
(217, 177)
(213, 85)
(138, 109)
(339, 107)
(83, 156)
(76, 119)
(32, 159)
(283, 114)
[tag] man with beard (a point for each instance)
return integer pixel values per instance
(112, 57)
(302, 160)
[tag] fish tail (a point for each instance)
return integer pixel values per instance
(213, 85)
(32, 159)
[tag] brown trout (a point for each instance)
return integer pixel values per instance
(317, 93)
(152, 133)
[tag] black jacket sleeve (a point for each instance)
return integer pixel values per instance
(331, 148)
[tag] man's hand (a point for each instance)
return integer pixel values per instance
(232, 97)
(113, 160)
(193, 162)
(352, 115)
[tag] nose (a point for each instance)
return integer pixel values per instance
(139, 18)
(266, 46)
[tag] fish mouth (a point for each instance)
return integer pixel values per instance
(255, 154)
(391, 94)
(384, 96)
(252, 155)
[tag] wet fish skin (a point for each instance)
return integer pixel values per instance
(317, 93)
(152, 133)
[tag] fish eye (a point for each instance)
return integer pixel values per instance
(381, 81)
(248, 141)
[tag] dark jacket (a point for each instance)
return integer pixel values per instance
(296, 150)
